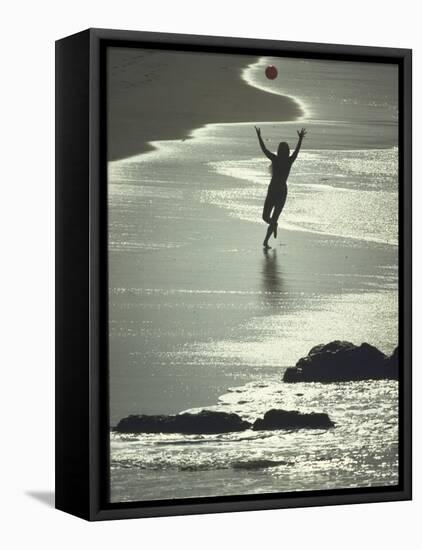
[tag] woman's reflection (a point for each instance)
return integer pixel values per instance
(272, 280)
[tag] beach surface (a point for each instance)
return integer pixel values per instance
(198, 308)
(196, 304)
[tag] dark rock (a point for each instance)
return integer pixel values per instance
(341, 362)
(277, 419)
(204, 422)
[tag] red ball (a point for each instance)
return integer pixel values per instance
(271, 72)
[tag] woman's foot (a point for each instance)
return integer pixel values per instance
(266, 246)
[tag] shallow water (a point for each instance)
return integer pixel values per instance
(361, 451)
(327, 193)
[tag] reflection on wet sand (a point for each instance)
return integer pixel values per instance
(272, 278)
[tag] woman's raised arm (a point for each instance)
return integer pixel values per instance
(266, 152)
(301, 135)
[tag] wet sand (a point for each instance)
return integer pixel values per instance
(186, 301)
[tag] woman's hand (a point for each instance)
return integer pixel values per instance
(258, 131)
(302, 133)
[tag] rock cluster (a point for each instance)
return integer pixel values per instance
(210, 422)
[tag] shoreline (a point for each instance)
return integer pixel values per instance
(185, 86)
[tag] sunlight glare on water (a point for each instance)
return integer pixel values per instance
(360, 451)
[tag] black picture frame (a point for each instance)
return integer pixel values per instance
(81, 274)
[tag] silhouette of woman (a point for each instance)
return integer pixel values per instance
(277, 189)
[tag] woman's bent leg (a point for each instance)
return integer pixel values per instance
(274, 218)
(268, 206)
(278, 208)
(266, 216)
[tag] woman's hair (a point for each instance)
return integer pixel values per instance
(283, 150)
(283, 153)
